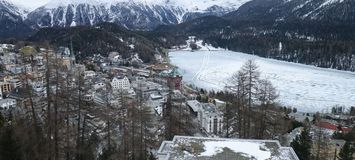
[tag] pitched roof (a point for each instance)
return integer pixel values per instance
(333, 127)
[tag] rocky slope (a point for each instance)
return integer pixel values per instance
(11, 20)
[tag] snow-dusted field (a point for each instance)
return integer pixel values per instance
(307, 88)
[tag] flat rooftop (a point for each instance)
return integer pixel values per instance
(203, 148)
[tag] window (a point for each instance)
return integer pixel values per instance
(215, 122)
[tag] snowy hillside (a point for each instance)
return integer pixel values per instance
(190, 5)
(149, 14)
(11, 20)
(13, 8)
(63, 3)
(290, 10)
(305, 87)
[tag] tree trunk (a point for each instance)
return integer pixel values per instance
(49, 119)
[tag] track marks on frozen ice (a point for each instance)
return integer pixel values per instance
(203, 67)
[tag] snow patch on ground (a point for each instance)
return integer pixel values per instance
(307, 88)
(131, 46)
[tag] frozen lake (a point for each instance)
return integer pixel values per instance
(307, 88)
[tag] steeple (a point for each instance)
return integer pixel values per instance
(72, 55)
(71, 48)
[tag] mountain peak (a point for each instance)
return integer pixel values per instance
(61, 3)
(190, 5)
(132, 14)
(13, 8)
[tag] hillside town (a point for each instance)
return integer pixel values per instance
(177, 79)
(114, 99)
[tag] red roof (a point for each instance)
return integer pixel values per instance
(346, 129)
(328, 125)
(333, 127)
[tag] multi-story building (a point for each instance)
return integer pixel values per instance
(6, 86)
(9, 58)
(120, 83)
(39, 87)
(183, 147)
(145, 88)
(211, 119)
(208, 115)
(8, 83)
(15, 83)
(173, 79)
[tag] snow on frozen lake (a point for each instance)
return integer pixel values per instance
(307, 88)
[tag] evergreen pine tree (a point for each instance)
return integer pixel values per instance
(302, 145)
(2, 120)
(346, 153)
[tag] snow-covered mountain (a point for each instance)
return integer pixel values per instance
(339, 11)
(148, 14)
(11, 20)
(12, 9)
(133, 14)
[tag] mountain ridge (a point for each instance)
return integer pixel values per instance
(132, 14)
(148, 14)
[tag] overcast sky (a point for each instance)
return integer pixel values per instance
(30, 4)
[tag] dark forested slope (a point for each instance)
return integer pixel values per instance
(99, 39)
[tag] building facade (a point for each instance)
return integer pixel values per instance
(120, 83)
(174, 80)
(208, 115)
(211, 119)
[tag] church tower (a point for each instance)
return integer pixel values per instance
(72, 55)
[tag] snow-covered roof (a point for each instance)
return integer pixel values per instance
(208, 107)
(194, 105)
(155, 96)
(119, 78)
(192, 148)
(7, 101)
(219, 101)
